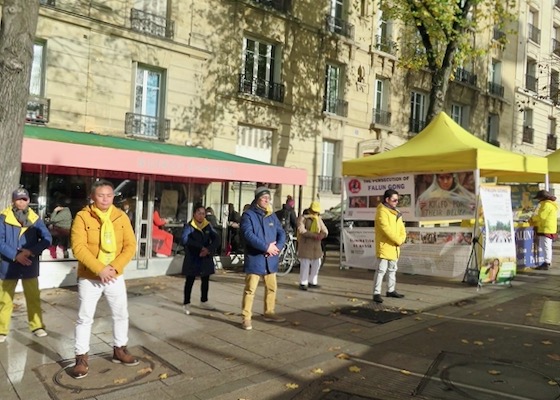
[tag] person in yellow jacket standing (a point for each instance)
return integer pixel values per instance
(390, 234)
(545, 222)
(103, 242)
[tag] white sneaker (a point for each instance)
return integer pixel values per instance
(3, 338)
(207, 306)
(159, 255)
(187, 308)
(40, 332)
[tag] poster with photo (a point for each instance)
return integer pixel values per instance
(364, 195)
(445, 196)
(522, 200)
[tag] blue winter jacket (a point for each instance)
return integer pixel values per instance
(14, 237)
(259, 229)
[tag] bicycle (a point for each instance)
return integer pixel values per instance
(288, 256)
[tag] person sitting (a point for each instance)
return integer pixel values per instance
(162, 240)
(59, 226)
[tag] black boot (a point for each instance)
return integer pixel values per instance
(543, 267)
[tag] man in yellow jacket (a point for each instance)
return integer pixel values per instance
(103, 242)
(545, 221)
(390, 234)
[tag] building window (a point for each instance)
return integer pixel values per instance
(333, 103)
(147, 120)
(531, 75)
(150, 16)
(38, 107)
(329, 180)
(492, 129)
(528, 126)
(495, 79)
(460, 114)
(261, 70)
(254, 143)
(554, 85)
(336, 21)
(417, 112)
(534, 32)
(381, 114)
(551, 139)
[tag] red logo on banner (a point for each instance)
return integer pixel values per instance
(354, 186)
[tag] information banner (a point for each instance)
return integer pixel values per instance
(499, 259)
(440, 252)
(522, 201)
(529, 254)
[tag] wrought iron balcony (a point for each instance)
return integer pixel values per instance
(498, 34)
(415, 125)
(528, 134)
(279, 5)
(340, 26)
(531, 82)
(495, 89)
(38, 109)
(464, 76)
(551, 141)
(335, 106)
(386, 45)
(330, 184)
(151, 24)
(147, 127)
(261, 87)
(50, 3)
(556, 46)
(381, 117)
(534, 34)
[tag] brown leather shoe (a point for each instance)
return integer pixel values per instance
(81, 368)
(122, 356)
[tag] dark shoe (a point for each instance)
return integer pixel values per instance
(81, 368)
(543, 267)
(314, 286)
(273, 318)
(395, 295)
(302, 287)
(122, 356)
(377, 298)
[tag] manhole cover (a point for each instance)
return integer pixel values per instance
(104, 376)
(373, 314)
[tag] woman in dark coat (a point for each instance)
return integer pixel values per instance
(200, 241)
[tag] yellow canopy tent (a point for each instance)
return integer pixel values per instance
(444, 146)
(554, 167)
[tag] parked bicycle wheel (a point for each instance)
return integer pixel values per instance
(288, 258)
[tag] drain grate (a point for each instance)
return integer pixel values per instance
(374, 314)
(104, 376)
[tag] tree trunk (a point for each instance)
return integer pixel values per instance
(440, 84)
(17, 34)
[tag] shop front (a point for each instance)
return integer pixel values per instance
(154, 182)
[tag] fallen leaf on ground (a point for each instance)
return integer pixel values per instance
(432, 329)
(119, 381)
(528, 314)
(355, 330)
(162, 376)
(464, 341)
(405, 372)
(555, 357)
(494, 372)
(552, 383)
(317, 371)
(326, 390)
(334, 348)
(490, 339)
(476, 313)
(146, 287)
(343, 356)
(143, 371)
(478, 343)
(229, 313)
(528, 344)
(418, 319)
(353, 299)
(354, 368)
(296, 323)
(354, 311)
(292, 385)
(499, 309)
(546, 342)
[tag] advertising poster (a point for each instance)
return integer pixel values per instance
(522, 201)
(442, 252)
(364, 194)
(529, 254)
(445, 196)
(499, 259)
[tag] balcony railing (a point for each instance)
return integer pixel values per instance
(50, 3)
(528, 134)
(551, 141)
(381, 117)
(330, 184)
(464, 76)
(498, 34)
(531, 82)
(534, 34)
(340, 26)
(279, 5)
(335, 106)
(38, 109)
(556, 46)
(495, 89)
(386, 45)
(151, 24)
(261, 87)
(415, 125)
(147, 127)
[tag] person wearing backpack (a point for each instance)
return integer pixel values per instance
(287, 215)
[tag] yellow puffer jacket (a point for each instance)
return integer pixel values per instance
(85, 237)
(545, 218)
(390, 233)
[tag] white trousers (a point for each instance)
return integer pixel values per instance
(385, 267)
(89, 293)
(309, 271)
(546, 245)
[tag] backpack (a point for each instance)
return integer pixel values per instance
(284, 217)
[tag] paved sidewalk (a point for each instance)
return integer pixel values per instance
(206, 355)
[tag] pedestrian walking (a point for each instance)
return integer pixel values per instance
(264, 237)
(200, 242)
(103, 242)
(311, 231)
(23, 237)
(390, 234)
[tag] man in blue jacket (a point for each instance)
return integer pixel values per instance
(23, 237)
(264, 239)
